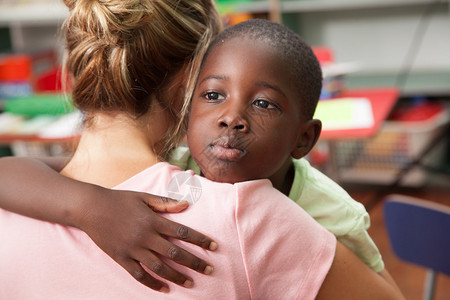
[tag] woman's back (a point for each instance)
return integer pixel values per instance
(257, 258)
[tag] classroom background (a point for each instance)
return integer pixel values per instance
(385, 108)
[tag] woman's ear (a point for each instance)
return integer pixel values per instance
(307, 137)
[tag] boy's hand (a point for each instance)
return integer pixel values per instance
(125, 226)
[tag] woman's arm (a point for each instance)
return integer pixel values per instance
(122, 223)
(350, 278)
(388, 278)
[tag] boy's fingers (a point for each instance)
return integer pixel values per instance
(183, 257)
(158, 267)
(137, 271)
(181, 232)
(164, 204)
(175, 230)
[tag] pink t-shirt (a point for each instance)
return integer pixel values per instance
(269, 248)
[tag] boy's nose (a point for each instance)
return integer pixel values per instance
(233, 122)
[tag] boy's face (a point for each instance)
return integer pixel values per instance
(245, 119)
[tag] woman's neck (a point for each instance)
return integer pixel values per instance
(113, 149)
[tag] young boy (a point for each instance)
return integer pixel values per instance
(252, 112)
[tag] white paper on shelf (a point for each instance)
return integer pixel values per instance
(336, 69)
(10, 123)
(66, 126)
(36, 124)
(345, 113)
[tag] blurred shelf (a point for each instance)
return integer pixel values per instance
(54, 12)
(328, 5)
(303, 6)
(430, 83)
(33, 13)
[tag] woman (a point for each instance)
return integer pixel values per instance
(128, 59)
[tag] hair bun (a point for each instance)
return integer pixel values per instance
(70, 3)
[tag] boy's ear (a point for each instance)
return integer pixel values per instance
(307, 137)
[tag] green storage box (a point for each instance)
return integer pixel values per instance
(39, 104)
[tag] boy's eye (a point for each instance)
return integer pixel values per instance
(264, 104)
(213, 96)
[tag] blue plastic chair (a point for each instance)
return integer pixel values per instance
(419, 232)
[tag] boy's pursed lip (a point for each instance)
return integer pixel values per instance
(227, 148)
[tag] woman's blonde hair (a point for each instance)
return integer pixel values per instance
(120, 52)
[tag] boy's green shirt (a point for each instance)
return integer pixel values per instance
(322, 198)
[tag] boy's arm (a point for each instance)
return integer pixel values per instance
(121, 223)
(31, 187)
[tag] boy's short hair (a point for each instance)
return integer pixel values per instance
(303, 64)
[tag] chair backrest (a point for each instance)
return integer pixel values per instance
(419, 231)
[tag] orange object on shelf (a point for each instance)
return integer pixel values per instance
(324, 54)
(15, 68)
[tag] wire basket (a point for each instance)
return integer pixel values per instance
(379, 160)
